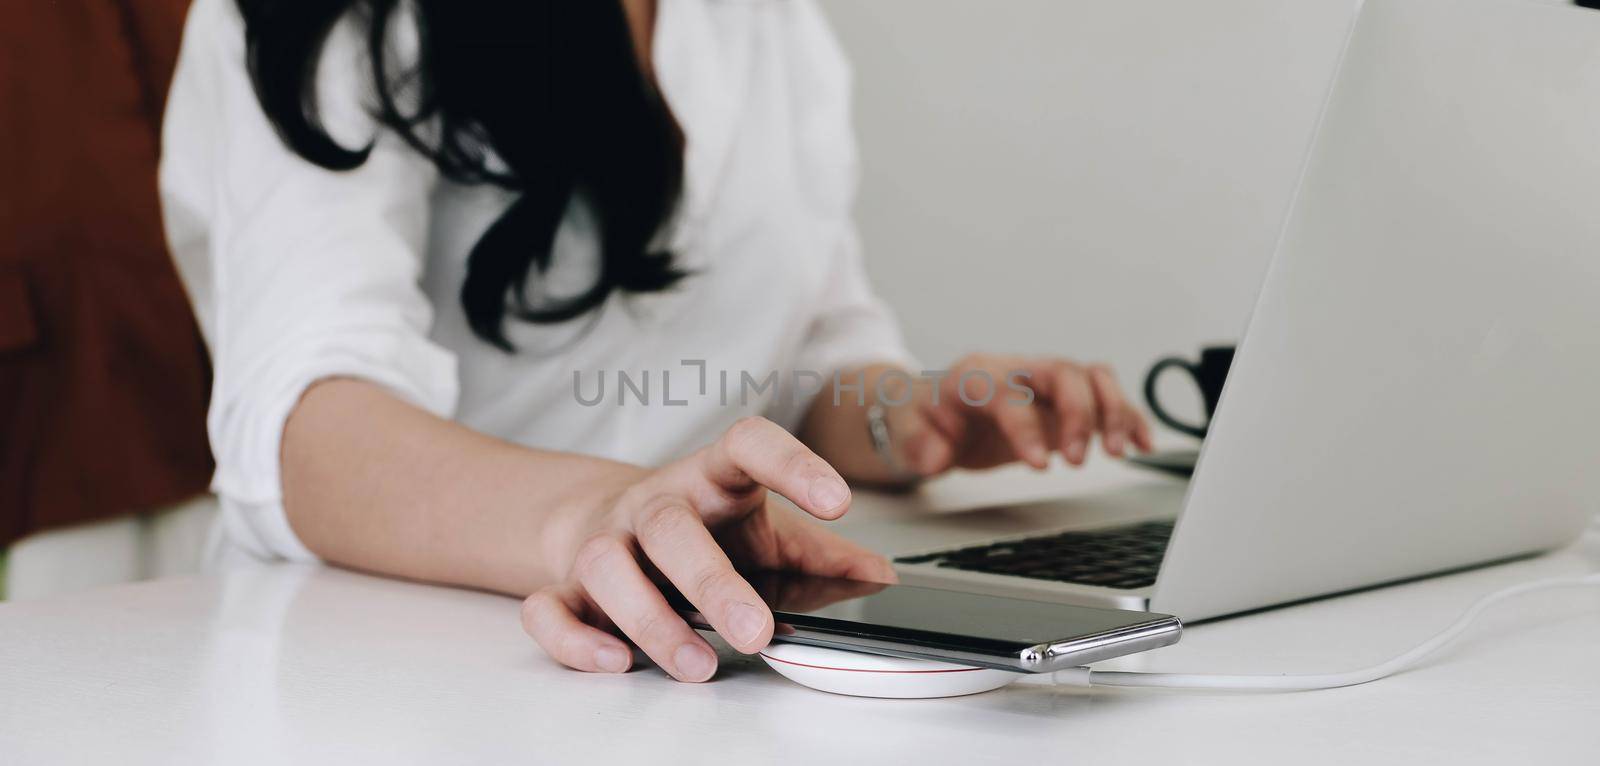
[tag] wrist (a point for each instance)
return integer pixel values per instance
(881, 433)
(856, 433)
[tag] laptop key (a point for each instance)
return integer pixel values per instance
(1117, 557)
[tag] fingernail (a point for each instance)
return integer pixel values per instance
(828, 493)
(1075, 451)
(694, 663)
(1037, 455)
(1114, 443)
(611, 659)
(745, 623)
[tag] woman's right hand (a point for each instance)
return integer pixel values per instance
(695, 523)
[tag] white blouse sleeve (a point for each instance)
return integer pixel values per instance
(851, 326)
(297, 273)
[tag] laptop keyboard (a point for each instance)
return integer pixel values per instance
(1113, 557)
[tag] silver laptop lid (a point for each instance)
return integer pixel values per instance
(1419, 388)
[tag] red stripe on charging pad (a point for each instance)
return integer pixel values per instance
(863, 670)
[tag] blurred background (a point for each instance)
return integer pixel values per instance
(1117, 170)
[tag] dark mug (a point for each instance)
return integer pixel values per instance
(1208, 374)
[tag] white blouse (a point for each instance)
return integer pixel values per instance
(299, 273)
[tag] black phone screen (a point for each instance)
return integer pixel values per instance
(929, 617)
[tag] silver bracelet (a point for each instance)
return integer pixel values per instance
(883, 441)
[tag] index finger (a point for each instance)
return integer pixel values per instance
(757, 452)
(679, 545)
(1115, 427)
(1073, 401)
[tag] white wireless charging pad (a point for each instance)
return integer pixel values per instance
(872, 675)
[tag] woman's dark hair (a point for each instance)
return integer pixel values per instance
(552, 88)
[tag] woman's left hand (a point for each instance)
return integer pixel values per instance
(981, 415)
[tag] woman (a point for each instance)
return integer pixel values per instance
(419, 235)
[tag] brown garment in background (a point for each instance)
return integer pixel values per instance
(103, 376)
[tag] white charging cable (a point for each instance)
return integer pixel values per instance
(1286, 683)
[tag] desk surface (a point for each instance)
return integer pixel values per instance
(308, 664)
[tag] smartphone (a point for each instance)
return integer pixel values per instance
(945, 625)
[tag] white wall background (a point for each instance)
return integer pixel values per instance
(1102, 179)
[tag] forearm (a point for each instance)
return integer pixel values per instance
(839, 434)
(372, 483)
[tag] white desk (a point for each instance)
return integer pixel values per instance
(306, 665)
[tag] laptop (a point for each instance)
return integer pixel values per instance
(1418, 389)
